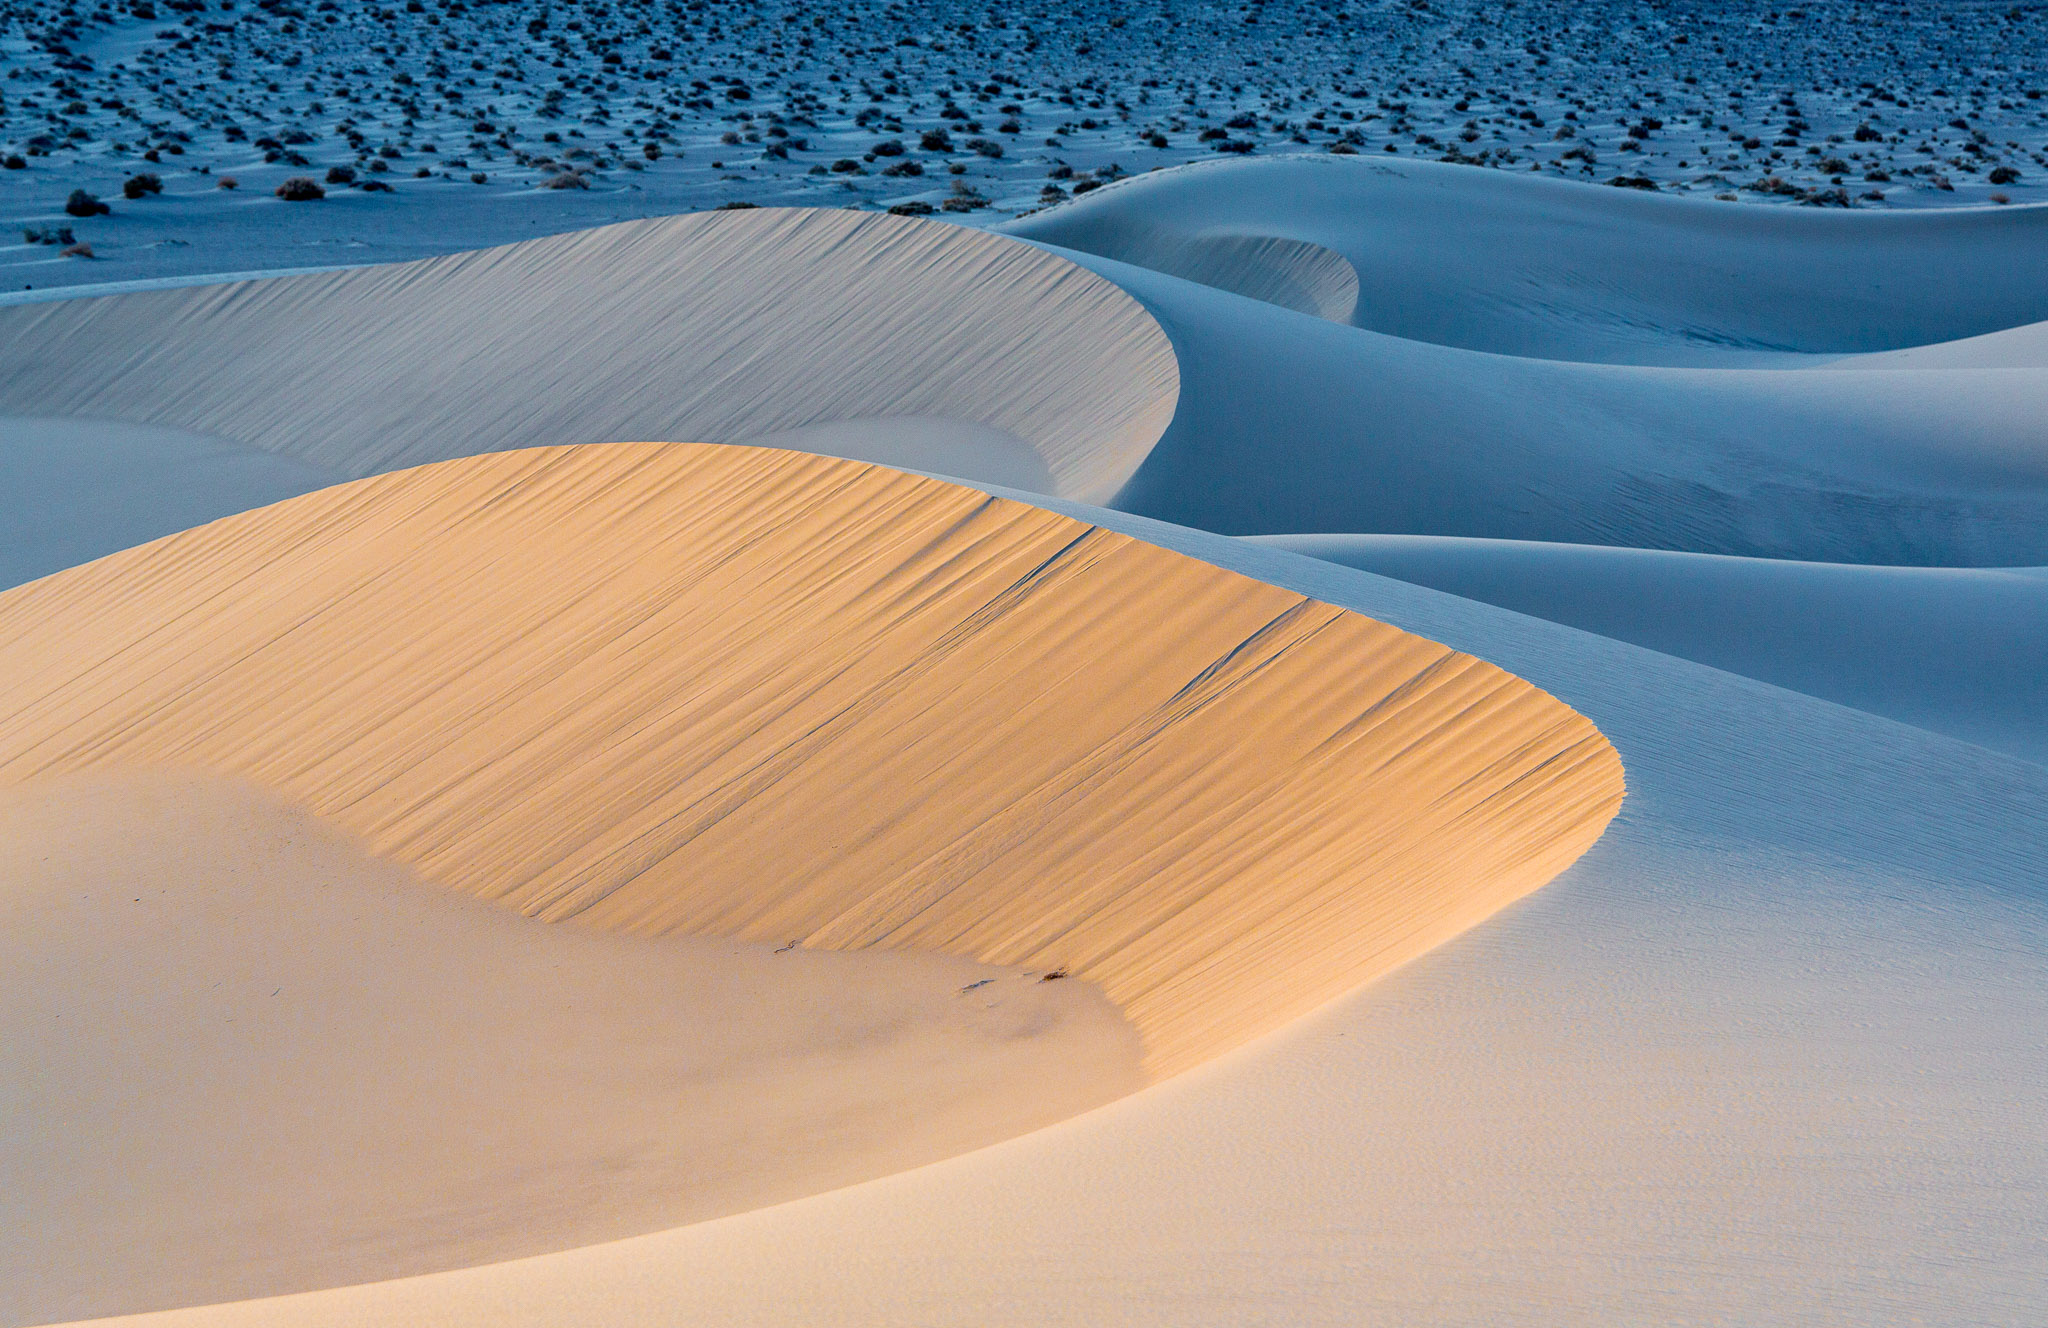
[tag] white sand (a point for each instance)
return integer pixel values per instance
(1525, 265)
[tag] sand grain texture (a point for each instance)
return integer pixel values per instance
(763, 695)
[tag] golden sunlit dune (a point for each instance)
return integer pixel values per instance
(758, 694)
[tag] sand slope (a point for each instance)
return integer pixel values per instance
(243, 1058)
(1528, 265)
(1953, 649)
(1289, 424)
(1768, 1053)
(757, 694)
(716, 326)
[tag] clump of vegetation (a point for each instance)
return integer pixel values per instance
(83, 204)
(229, 182)
(914, 208)
(141, 186)
(341, 175)
(2003, 175)
(300, 189)
(566, 180)
(47, 235)
(76, 251)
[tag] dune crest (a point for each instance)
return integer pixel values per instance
(1521, 264)
(720, 326)
(758, 694)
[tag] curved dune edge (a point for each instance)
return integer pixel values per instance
(760, 694)
(1289, 271)
(1517, 263)
(718, 326)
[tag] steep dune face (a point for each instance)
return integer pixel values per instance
(1522, 265)
(721, 326)
(758, 694)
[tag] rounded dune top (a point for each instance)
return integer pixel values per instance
(754, 693)
(721, 326)
(1520, 264)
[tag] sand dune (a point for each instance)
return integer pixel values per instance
(718, 326)
(1956, 650)
(1773, 1041)
(244, 1058)
(1526, 265)
(749, 693)
(1289, 424)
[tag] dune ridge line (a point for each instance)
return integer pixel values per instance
(761, 694)
(715, 326)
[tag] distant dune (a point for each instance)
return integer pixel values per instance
(720, 327)
(1521, 264)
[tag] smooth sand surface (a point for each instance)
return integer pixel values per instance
(1768, 1053)
(757, 694)
(72, 490)
(1288, 424)
(240, 1057)
(1531, 266)
(1955, 649)
(719, 327)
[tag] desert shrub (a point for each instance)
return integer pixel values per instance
(1342, 149)
(566, 180)
(1237, 145)
(139, 186)
(651, 151)
(1634, 182)
(734, 206)
(76, 251)
(2003, 175)
(341, 175)
(14, 161)
(888, 147)
(83, 204)
(376, 187)
(914, 208)
(900, 169)
(229, 182)
(477, 177)
(935, 140)
(47, 235)
(1156, 140)
(847, 166)
(300, 189)
(987, 147)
